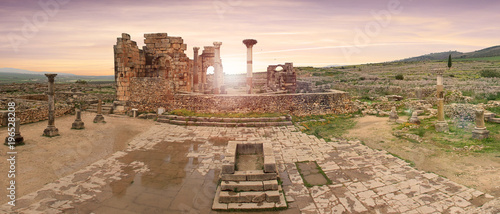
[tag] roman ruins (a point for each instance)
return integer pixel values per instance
(441, 125)
(51, 130)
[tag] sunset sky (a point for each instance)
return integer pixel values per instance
(76, 36)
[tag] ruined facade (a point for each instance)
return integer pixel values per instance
(284, 79)
(164, 61)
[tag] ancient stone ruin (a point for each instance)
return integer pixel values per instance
(249, 178)
(284, 79)
(51, 129)
(164, 62)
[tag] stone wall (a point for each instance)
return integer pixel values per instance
(334, 102)
(36, 114)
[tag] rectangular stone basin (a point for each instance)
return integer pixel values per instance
(248, 156)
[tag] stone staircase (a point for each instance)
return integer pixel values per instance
(107, 108)
(249, 189)
(226, 122)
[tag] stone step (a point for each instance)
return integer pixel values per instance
(249, 197)
(280, 204)
(249, 175)
(226, 120)
(223, 124)
(236, 186)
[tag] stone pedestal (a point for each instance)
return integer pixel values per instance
(99, 118)
(414, 118)
(51, 130)
(393, 116)
(78, 124)
(480, 132)
(441, 126)
(18, 139)
(249, 43)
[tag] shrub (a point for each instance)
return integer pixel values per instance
(362, 78)
(490, 73)
(400, 77)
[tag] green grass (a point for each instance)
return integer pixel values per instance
(320, 171)
(487, 59)
(495, 110)
(332, 126)
(412, 164)
(184, 112)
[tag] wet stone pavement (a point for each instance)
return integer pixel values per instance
(175, 169)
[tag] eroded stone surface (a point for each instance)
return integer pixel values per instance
(174, 169)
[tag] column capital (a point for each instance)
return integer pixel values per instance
(249, 42)
(196, 49)
(51, 77)
(217, 45)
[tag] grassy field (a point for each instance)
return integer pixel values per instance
(325, 126)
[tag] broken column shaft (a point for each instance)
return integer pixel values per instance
(51, 130)
(480, 132)
(17, 139)
(441, 125)
(78, 124)
(249, 43)
(99, 118)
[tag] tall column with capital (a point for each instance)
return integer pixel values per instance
(196, 77)
(51, 129)
(217, 68)
(441, 125)
(249, 43)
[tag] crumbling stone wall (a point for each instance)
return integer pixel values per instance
(336, 102)
(163, 57)
(285, 79)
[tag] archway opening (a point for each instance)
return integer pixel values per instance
(210, 70)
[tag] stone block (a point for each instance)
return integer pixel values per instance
(242, 186)
(273, 196)
(229, 197)
(252, 197)
(259, 175)
(237, 176)
(269, 164)
(270, 185)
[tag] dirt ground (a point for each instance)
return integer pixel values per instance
(42, 160)
(476, 170)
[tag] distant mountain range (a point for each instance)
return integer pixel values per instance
(487, 52)
(14, 75)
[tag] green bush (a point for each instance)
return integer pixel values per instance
(400, 77)
(490, 73)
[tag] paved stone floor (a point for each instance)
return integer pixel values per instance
(174, 169)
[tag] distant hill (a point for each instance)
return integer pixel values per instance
(487, 52)
(14, 75)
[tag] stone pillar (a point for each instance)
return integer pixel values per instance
(195, 70)
(51, 130)
(217, 68)
(393, 116)
(99, 118)
(18, 139)
(78, 124)
(441, 125)
(480, 131)
(249, 43)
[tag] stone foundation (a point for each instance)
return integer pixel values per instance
(333, 102)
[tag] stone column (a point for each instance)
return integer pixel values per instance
(195, 70)
(480, 131)
(441, 125)
(51, 130)
(18, 139)
(217, 68)
(99, 118)
(249, 43)
(78, 124)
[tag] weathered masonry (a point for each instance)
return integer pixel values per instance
(164, 60)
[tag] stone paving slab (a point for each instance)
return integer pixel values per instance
(174, 169)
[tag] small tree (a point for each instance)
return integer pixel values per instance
(400, 77)
(449, 62)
